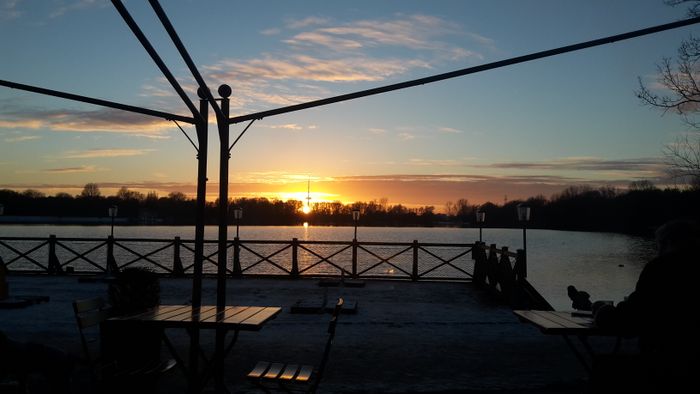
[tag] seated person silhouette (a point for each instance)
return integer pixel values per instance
(662, 311)
(581, 300)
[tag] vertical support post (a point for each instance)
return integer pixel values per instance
(295, 257)
(224, 156)
(237, 271)
(202, 138)
(354, 258)
(112, 267)
(521, 265)
(178, 269)
(4, 286)
(54, 264)
(414, 275)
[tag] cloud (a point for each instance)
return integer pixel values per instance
(406, 136)
(321, 52)
(310, 68)
(377, 131)
(70, 170)
(308, 21)
(653, 164)
(9, 10)
(95, 153)
(75, 5)
(102, 120)
(290, 126)
(449, 130)
(22, 138)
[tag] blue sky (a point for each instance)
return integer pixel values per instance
(507, 133)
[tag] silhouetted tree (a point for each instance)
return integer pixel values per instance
(679, 78)
(91, 190)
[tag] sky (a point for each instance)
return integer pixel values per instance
(500, 135)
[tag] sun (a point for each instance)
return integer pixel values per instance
(306, 209)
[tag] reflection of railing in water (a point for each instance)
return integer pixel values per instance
(499, 270)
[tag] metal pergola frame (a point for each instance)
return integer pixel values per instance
(199, 119)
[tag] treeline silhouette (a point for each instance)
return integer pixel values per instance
(638, 209)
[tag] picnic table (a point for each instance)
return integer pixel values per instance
(570, 324)
(230, 318)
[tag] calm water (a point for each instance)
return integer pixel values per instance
(604, 264)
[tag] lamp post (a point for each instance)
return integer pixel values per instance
(237, 214)
(112, 213)
(2, 209)
(524, 217)
(480, 219)
(355, 218)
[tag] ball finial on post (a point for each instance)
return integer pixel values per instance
(224, 91)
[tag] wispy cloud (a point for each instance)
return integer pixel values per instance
(9, 10)
(653, 164)
(321, 52)
(67, 6)
(449, 130)
(104, 120)
(98, 153)
(69, 170)
(406, 136)
(22, 138)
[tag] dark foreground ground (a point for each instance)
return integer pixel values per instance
(406, 337)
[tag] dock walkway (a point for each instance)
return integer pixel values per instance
(406, 337)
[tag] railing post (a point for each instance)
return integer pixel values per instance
(237, 271)
(354, 258)
(112, 267)
(178, 269)
(54, 264)
(492, 266)
(506, 274)
(295, 261)
(479, 256)
(4, 286)
(521, 265)
(414, 276)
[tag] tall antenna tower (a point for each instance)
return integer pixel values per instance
(308, 193)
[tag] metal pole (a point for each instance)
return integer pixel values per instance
(111, 232)
(224, 156)
(355, 236)
(525, 238)
(480, 240)
(202, 138)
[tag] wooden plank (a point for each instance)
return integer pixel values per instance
(304, 373)
(289, 372)
(228, 312)
(273, 371)
(241, 316)
(260, 368)
(551, 322)
(160, 311)
(191, 317)
(263, 315)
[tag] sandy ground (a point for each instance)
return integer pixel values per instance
(406, 337)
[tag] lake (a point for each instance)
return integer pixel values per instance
(604, 264)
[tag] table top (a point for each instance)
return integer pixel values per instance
(247, 318)
(562, 322)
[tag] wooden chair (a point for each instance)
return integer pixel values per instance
(293, 377)
(109, 374)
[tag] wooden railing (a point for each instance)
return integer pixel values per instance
(499, 271)
(355, 259)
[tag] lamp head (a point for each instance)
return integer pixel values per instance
(355, 214)
(523, 212)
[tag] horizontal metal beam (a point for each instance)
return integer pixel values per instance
(100, 102)
(466, 71)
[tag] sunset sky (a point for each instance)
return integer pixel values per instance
(509, 133)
